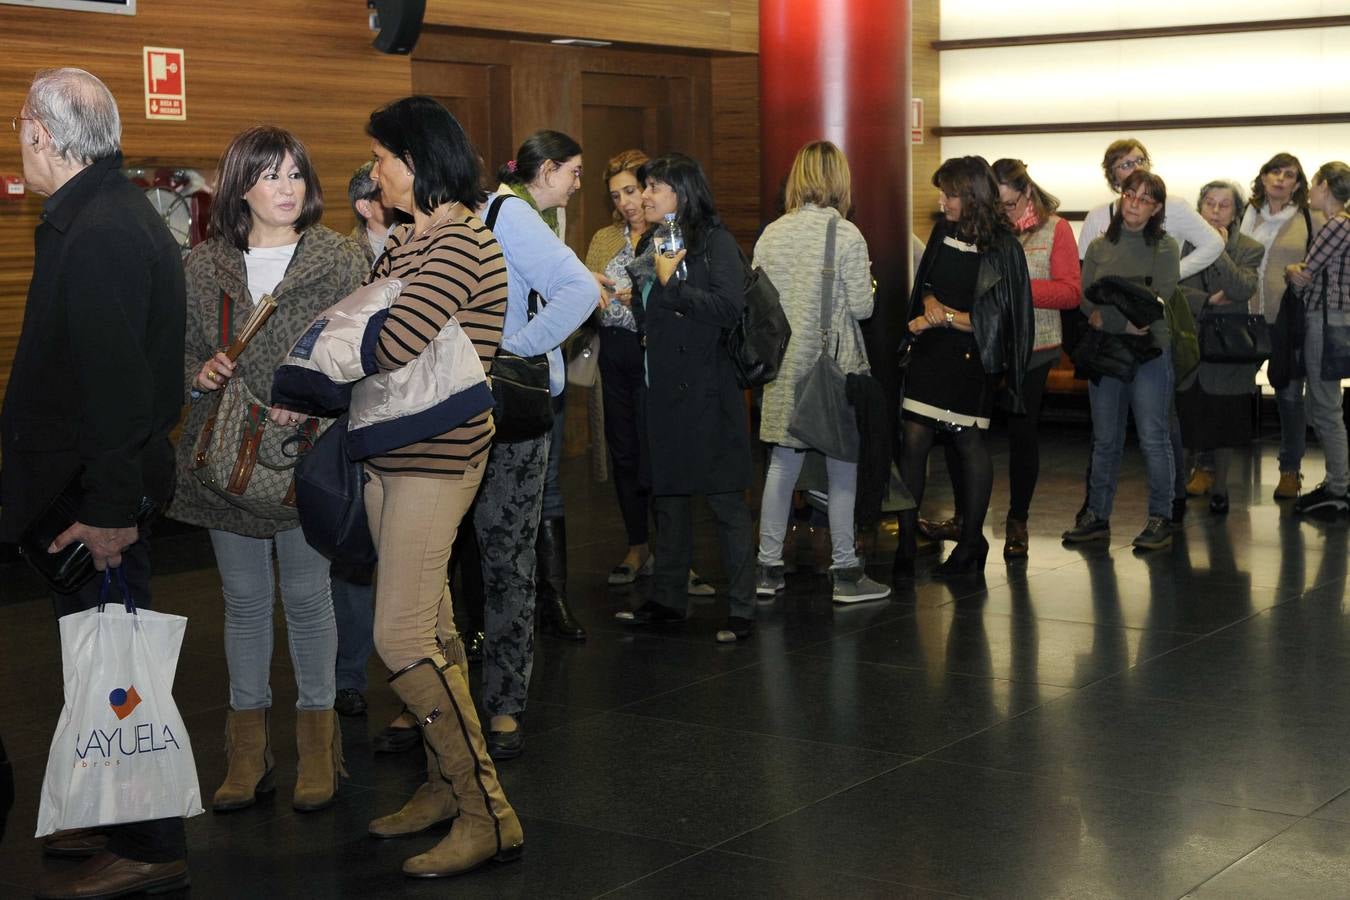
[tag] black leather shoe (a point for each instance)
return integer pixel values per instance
(651, 613)
(396, 740)
(964, 560)
(1218, 504)
(75, 842)
(506, 744)
(349, 702)
(737, 629)
(556, 619)
(108, 875)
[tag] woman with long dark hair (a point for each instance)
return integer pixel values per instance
(700, 441)
(972, 325)
(1137, 249)
(417, 496)
(1281, 220)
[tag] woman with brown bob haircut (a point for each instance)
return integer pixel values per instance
(971, 321)
(265, 240)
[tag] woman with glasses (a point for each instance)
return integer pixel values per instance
(1280, 219)
(1134, 248)
(1215, 411)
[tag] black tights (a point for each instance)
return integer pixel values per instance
(972, 478)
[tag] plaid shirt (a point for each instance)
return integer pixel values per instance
(1327, 261)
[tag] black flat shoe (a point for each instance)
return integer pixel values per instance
(737, 629)
(396, 740)
(964, 561)
(651, 613)
(1218, 504)
(349, 702)
(506, 744)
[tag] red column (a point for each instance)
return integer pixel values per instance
(839, 70)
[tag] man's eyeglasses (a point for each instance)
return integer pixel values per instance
(14, 122)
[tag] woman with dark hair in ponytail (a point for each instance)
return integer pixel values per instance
(519, 551)
(971, 321)
(699, 440)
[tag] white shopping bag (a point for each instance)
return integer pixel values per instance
(120, 753)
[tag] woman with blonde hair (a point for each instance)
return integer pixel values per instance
(811, 241)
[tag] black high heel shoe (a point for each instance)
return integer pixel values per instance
(964, 560)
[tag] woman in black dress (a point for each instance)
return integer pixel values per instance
(971, 325)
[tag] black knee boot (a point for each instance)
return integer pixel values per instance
(550, 579)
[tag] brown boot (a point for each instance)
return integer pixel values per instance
(433, 804)
(487, 827)
(248, 751)
(320, 745)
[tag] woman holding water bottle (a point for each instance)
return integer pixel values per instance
(688, 286)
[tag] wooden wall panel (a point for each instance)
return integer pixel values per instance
(304, 64)
(734, 169)
(725, 25)
(925, 157)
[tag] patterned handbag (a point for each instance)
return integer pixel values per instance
(241, 454)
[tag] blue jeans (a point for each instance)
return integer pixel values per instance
(1149, 396)
(354, 610)
(1293, 424)
(247, 580)
(785, 464)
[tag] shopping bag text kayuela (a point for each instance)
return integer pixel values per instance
(110, 747)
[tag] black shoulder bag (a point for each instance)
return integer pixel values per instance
(523, 407)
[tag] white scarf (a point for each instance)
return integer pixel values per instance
(1266, 230)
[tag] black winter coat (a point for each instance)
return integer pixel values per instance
(96, 383)
(698, 432)
(1002, 317)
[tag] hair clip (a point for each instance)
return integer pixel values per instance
(510, 165)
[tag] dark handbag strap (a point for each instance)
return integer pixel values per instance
(535, 300)
(827, 280)
(226, 314)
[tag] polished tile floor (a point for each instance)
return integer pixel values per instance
(1092, 723)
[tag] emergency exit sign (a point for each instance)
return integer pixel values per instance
(165, 84)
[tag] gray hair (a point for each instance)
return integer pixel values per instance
(78, 111)
(361, 187)
(1239, 198)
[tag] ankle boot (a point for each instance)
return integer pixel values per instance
(486, 828)
(433, 803)
(550, 578)
(248, 754)
(319, 742)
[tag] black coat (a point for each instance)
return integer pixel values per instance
(698, 432)
(97, 379)
(1002, 317)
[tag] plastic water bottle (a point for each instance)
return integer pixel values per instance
(670, 240)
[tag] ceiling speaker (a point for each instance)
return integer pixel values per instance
(398, 22)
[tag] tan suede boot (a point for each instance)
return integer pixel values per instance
(319, 742)
(487, 827)
(433, 804)
(248, 754)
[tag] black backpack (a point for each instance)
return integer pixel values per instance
(759, 340)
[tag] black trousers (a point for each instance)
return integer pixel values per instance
(156, 840)
(622, 376)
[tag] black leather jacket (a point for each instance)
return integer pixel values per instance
(1002, 314)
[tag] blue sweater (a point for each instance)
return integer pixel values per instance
(537, 260)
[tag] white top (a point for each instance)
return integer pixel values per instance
(376, 238)
(1180, 221)
(266, 267)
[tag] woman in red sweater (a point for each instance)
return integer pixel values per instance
(1052, 262)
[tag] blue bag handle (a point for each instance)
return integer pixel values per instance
(127, 602)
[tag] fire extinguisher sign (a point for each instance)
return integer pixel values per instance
(165, 84)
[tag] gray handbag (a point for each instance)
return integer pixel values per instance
(822, 417)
